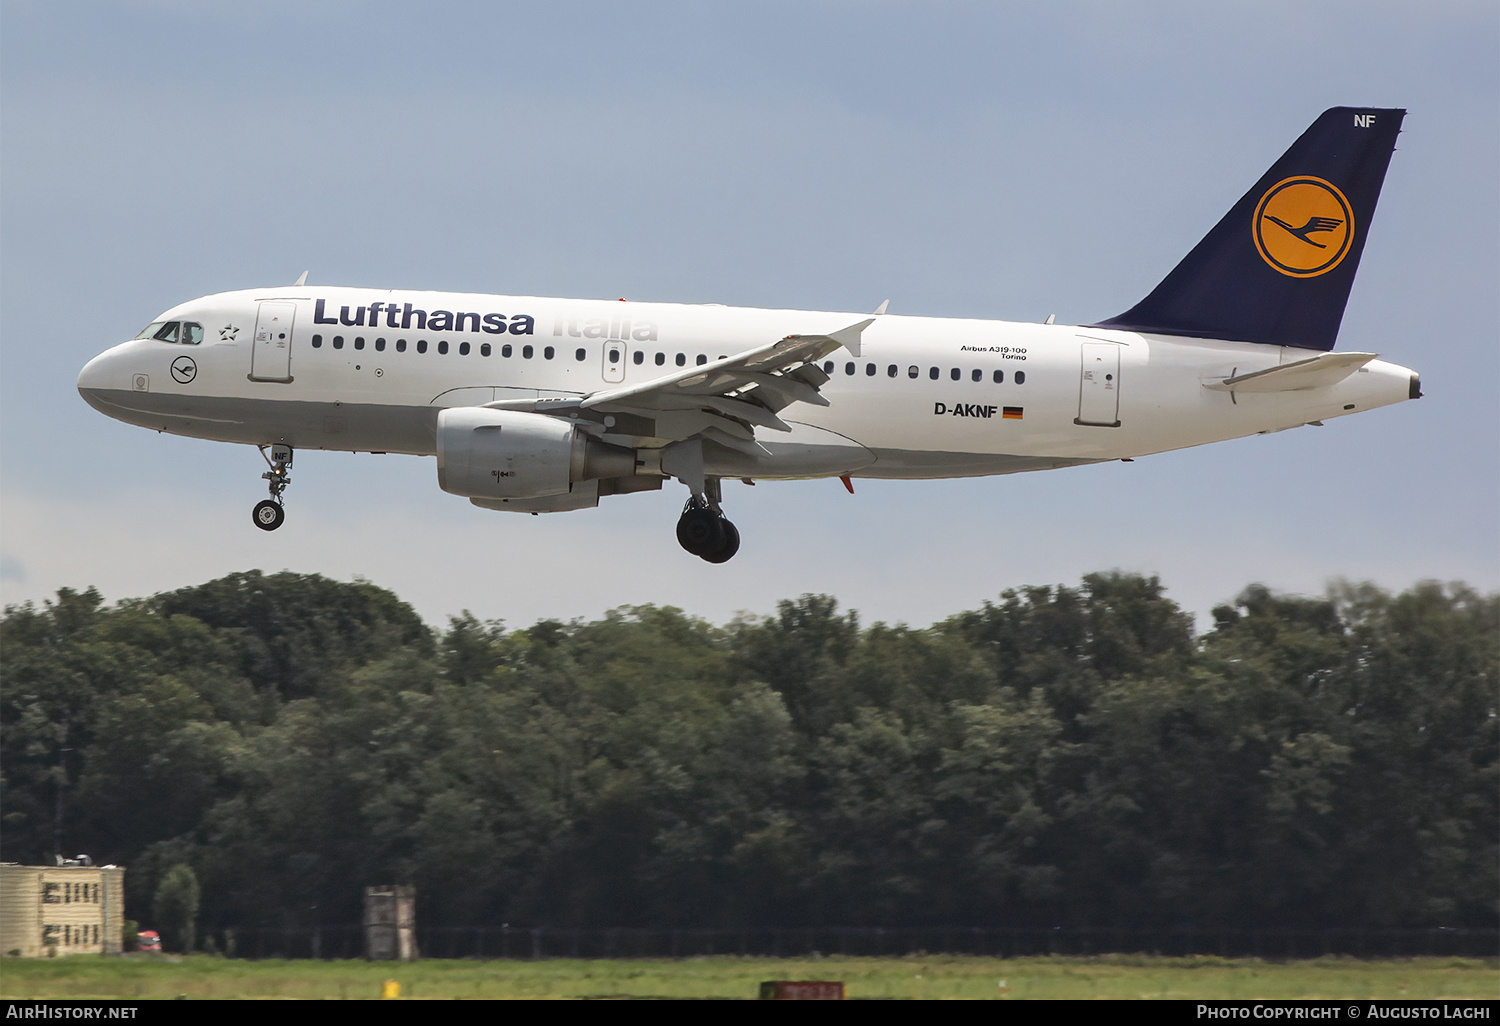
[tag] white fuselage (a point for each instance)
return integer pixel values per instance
(926, 398)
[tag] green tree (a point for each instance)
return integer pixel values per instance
(1066, 755)
(296, 629)
(175, 909)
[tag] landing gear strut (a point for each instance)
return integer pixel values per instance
(268, 513)
(703, 530)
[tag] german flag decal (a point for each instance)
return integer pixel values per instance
(1012, 412)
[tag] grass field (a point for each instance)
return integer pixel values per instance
(1117, 976)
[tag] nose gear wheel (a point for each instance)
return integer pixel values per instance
(269, 513)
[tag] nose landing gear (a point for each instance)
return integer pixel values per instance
(705, 532)
(268, 513)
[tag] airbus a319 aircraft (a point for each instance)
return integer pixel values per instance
(545, 405)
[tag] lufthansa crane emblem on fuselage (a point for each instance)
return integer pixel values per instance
(184, 370)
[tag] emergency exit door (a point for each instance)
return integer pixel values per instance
(1099, 385)
(271, 355)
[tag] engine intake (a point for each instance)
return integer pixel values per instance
(502, 454)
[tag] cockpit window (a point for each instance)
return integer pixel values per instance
(188, 333)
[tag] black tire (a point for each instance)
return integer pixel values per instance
(700, 531)
(731, 544)
(268, 515)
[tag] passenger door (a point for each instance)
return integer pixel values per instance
(1099, 385)
(271, 356)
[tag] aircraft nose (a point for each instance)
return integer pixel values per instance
(103, 376)
(95, 373)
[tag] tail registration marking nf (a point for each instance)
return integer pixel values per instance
(1303, 226)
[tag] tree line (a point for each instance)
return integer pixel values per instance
(1063, 756)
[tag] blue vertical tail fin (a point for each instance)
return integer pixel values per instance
(1278, 268)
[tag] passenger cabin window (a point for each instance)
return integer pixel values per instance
(681, 360)
(1020, 377)
(702, 359)
(639, 357)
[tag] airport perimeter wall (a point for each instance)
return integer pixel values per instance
(550, 942)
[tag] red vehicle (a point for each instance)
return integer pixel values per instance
(148, 940)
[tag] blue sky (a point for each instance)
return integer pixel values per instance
(974, 160)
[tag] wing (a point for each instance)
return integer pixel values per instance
(723, 401)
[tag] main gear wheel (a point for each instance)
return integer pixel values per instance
(703, 531)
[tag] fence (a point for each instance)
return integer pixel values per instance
(482, 942)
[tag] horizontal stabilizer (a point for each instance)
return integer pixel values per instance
(1317, 372)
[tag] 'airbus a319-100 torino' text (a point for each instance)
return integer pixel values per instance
(545, 405)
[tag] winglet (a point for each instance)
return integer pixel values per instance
(881, 308)
(300, 281)
(849, 337)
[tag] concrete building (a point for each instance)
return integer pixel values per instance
(391, 923)
(61, 910)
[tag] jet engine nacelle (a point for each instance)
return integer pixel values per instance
(502, 454)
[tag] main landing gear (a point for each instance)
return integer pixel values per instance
(703, 530)
(268, 513)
